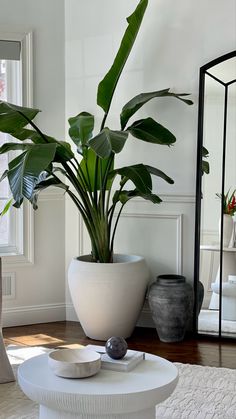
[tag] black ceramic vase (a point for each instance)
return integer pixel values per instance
(171, 303)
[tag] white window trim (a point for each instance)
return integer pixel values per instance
(24, 253)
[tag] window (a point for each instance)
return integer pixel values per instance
(15, 86)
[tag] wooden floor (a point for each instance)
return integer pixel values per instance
(202, 351)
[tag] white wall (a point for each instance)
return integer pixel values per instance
(176, 38)
(40, 288)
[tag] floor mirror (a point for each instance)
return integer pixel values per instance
(215, 238)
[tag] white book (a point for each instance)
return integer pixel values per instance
(127, 363)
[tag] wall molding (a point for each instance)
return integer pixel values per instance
(52, 194)
(43, 313)
(147, 215)
(179, 228)
(171, 199)
(167, 198)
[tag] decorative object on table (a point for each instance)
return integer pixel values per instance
(88, 180)
(171, 302)
(6, 373)
(125, 364)
(116, 347)
(229, 208)
(74, 363)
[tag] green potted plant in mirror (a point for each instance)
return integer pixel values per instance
(87, 175)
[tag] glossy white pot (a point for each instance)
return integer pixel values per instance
(108, 297)
(227, 229)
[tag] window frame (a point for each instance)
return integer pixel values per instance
(22, 253)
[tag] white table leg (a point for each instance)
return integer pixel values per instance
(47, 413)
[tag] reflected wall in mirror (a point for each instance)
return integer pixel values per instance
(215, 242)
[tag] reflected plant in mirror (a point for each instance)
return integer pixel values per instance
(229, 202)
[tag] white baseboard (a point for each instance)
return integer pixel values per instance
(71, 315)
(45, 313)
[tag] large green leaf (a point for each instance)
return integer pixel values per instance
(25, 169)
(138, 101)
(81, 128)
(50, 181)
(14, 117)
(107, 86)
(150, 131)
(138, 174)
(6, 147)
(125, 196)
(107, 141)
(205, 167)
(156, 172)
(88, 167)
(6, 207)
(63, 151)
(205, 164)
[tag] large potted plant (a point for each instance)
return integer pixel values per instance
(107, 289)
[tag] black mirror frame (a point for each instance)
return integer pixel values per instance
(202, 73)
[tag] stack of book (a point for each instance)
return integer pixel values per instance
(127, 363)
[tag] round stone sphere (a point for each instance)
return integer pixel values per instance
(116, 347)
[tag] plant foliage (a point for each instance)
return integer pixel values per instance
(89, 173)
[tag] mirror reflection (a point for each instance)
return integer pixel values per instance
(217, 270)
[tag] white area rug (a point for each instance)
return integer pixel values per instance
(202, 393)
(208, 321)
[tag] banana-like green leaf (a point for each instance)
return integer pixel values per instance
(25, 169)
(156, 172)
(14, 117)
(107, 141)
(138, 174)
(7, 207)
(88, 167)
(125, 196)
(150, 131)
(6, 147)
(63, 151)
(4, 175)
(205, 164)
(81, 128)
(205, 152)
(138, 101)
(50, 181)
(29, 134)
(107, 86)
(205, 167)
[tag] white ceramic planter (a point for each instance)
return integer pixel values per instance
(108, 297)
(228, 229)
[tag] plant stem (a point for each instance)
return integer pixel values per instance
(115, 227)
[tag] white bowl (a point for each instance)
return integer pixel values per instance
(74, 363)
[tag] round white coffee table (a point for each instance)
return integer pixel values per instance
(106, 395)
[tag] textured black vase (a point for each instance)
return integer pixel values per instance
(171, 303)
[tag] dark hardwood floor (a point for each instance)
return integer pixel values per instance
(202, 351)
